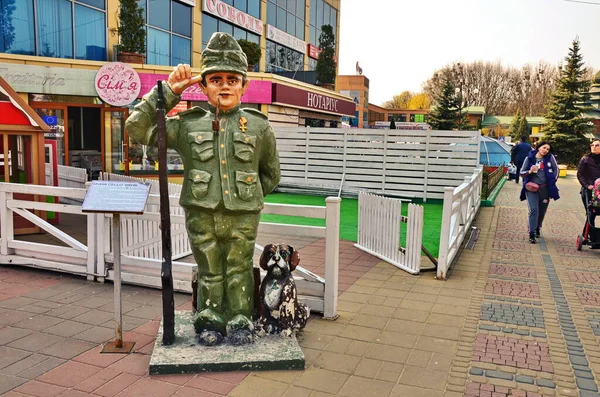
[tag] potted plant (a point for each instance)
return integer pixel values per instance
(252, 51)
(132, 32)
(326, 65)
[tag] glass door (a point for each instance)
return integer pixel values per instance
(55, 117)
(116, 153)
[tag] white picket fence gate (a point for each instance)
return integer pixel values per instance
(461, 205)
(94, 258)
(379, 221)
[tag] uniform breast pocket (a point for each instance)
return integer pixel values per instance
(199, 183)
(202, 145)
(246, 184)
(244, 145)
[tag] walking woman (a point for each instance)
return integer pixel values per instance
(588, 171)
(539, 173)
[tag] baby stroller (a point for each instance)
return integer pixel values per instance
(591, 234)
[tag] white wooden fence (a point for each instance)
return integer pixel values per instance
(141, 236)
(404, 163)
(379, 221)
(461, 205)
(94, 258)
(68, 177)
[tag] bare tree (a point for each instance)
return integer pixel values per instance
(500, 89)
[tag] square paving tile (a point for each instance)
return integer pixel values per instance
(67, 328)
(39, 369)
(9, 334)
(94, 317)
(8, 382)
(322, 380)
(68, 348)
(96, 335)
(38, 323)
(36, 342)
(9, 356)
(23, 364)
(69, 374)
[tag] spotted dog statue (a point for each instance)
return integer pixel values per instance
(279, 309)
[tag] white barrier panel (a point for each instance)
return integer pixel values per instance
(93, 259)
(379, 221)
(461, 204)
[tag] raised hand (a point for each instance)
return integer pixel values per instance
(181, 78)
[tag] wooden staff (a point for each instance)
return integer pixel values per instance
(166, 276)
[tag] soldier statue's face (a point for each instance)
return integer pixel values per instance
(224, 90)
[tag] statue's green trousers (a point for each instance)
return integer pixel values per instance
(223, 246)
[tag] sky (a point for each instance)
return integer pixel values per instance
(400, 43)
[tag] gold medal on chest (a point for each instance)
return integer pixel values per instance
(243, 123)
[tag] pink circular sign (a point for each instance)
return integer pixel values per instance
(117, 84)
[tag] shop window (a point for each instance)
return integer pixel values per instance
(315, 123)
(62, 29)
(321, 14)
(418, 118)
(88, 43)
(211, 25)
(280, 58)
(397, 118)
(251, 7)
(287, 15)
(169, 32)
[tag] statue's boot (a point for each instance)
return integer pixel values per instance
(209, 321)
(240, 330)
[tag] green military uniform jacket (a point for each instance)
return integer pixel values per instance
(234, 167)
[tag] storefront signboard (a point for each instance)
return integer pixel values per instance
(233, 15)
(286, 95)
(258, 91)
(117, 84)
(49, 80)
(283, 38)
(313, 51)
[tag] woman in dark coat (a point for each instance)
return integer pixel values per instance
(539, 167)
(588, 171)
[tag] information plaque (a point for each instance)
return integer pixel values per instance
(116, 197)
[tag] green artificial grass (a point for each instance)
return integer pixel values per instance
(349, 218)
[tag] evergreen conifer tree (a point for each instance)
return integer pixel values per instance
(326, 66)
(513, 130)
(566, 127)
(523, 129)
(132, 28)
(444, 115)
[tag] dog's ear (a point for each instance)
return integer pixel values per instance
(294, 257)
(265, 256)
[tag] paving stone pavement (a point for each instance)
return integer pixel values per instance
(513, 319)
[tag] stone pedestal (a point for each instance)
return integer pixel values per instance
(185, 356)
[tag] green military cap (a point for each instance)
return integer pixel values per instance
(223, 54)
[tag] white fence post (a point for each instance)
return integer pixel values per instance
(445, 233)
(332, 257)
(92, 257)
(7, 232)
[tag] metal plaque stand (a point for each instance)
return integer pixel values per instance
(116, 198)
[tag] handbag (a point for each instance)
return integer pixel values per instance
(532, 187)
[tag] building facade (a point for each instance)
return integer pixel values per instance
(357, 88)
(58, 56)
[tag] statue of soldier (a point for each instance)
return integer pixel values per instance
(230, 163)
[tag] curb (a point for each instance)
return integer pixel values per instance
(492, 197)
